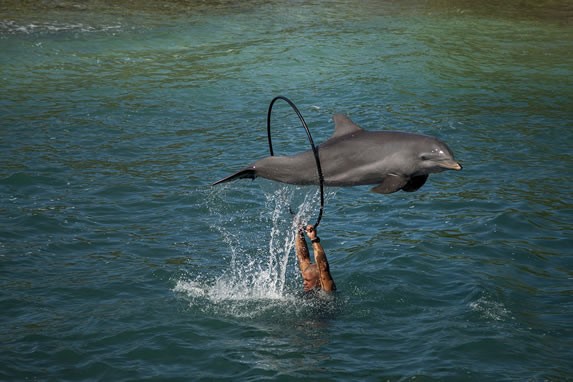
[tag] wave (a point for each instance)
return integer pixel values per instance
(13, 27)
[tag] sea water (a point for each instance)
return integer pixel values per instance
(119, 260)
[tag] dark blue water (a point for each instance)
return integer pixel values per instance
(119, 261)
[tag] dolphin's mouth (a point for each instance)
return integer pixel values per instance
(450, 164)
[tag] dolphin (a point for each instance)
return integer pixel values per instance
(353, 156)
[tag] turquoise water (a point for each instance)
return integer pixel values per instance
(119, 261)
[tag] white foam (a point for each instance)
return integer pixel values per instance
(12, 27)
(490, 309)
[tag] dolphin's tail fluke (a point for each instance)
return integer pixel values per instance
(248, 172)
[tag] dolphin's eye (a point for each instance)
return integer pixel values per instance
(424, 157)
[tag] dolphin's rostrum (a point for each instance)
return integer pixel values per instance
(353, 156)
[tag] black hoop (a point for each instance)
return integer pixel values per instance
(314, 149)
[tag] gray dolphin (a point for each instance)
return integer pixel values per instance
(353, 157)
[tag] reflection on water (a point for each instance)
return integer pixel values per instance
(77, 16)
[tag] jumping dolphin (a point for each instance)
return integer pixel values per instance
(353, 157)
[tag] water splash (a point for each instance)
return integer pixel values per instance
(262, 275)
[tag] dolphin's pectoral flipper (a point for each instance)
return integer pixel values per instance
(248, 172)
(390, 184)
(415, 183)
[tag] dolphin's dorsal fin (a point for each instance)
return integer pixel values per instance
(344, 125)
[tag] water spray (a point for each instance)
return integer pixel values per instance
(310, 140)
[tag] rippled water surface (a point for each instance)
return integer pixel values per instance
(119, 261)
